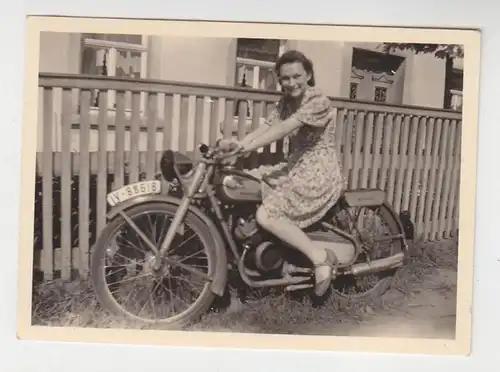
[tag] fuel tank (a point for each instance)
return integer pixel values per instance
(235, 186)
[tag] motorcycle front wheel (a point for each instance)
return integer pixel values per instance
(127, 284)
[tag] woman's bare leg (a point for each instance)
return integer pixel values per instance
(297, 238)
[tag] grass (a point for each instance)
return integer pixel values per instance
(62, 303)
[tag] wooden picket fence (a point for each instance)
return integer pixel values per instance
(84, 151)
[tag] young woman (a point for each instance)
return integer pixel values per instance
(311, 181)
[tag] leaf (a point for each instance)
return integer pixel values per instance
(439, 50)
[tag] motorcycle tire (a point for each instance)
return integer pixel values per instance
(201, 305)
(385, 283)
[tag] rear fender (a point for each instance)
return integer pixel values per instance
(377, 197)
(220, 276)
(364, 197)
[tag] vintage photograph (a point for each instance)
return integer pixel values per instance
(234, 183)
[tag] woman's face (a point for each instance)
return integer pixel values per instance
(293, 79)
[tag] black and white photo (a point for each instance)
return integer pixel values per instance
(248, 178)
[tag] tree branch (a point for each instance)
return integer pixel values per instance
(439, 50)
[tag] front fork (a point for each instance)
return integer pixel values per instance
(180, 213)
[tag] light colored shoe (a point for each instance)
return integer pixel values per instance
(322, 286)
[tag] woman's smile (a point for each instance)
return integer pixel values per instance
(293, 79)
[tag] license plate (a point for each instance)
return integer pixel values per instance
(133, 190)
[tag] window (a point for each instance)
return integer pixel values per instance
(353, 90)
(380, 94)
(454, 85)
(115, 55)
(376, 62)
(255, 60)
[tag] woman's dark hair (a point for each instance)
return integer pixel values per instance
(292, 56)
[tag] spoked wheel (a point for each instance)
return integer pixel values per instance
(379, 232)
(126, 281)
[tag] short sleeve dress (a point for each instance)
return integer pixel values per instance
(302, 189)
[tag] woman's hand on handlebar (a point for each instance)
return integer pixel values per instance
(228, 148)
(228, 144)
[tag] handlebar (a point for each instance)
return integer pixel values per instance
(215, 153)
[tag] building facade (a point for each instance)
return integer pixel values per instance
(345, 70)
(356, 71)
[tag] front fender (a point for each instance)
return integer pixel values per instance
(220, 277)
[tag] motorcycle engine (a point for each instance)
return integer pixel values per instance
(247, 231)
(264, 255)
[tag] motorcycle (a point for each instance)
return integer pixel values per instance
(216, 203)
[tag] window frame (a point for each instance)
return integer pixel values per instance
(256, 65)
(384, 88)
(456, 103)
(113, 47)
(351, 85)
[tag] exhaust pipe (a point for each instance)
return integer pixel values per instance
(375, 266)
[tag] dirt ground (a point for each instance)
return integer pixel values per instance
(429, 312)
(421, 304)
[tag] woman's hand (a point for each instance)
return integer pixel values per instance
(229, 144)
(229, 149)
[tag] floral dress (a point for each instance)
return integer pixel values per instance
(310, 182)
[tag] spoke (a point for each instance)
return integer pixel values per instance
(121, 268)
(150, 225)
(155, 287)
(129, 259)
(189, 282)
(199, 266)
(155, 231)
(162, 231)
(139, 239)
(172, 293)
(128, 297)
(191, 255)
(130, 279)
(130, 245)
(139, 232)
(184, 242)
(187, 268)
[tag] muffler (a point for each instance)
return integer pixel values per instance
(375, 266)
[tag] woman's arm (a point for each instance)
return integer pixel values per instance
(273, 117)
(255, 134)
(315, 111)
(273, 133)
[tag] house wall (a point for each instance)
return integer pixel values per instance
(396, 84)
(59, 52)
(420, 80)
(212, 61)
(196, 60)
(331, 61)
(426, 81)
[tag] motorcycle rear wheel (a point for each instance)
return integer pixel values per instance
(384, 282)
(98, 270)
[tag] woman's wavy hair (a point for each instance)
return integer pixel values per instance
(292, 56)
